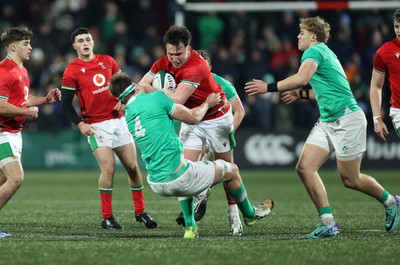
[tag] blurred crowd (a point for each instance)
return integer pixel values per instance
(242, 45)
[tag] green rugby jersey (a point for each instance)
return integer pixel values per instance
(329, 82)
(151, 125)
(227, 87)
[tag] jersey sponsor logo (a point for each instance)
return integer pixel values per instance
(101, 89)
(99, 79)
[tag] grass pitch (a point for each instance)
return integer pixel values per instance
(55, 219)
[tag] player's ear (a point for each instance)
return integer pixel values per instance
(13, 47)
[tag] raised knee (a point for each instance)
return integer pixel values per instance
(17, 182)
(227, 170)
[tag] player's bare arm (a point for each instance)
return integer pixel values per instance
(53, 96)
(238, 112)
(10, 110)
(195, 115)
(289, 97)
(182, 93)
(300, 79)
(146, 82)
(377, 81)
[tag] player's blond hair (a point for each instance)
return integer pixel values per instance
(318, 26)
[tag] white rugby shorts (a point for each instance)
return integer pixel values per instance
(10, 147)
(197, 178)
(395, 116)
(110, 133)
(347, 136)
(214, 133)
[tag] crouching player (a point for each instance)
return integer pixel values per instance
(150, 120)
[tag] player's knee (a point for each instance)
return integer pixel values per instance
(227, 170)
(349, 182)
(16, 181)
(133, 171)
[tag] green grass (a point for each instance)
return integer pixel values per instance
(54, 219)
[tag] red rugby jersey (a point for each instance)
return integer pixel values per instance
(194, 71)
(14, 86)
(387, 60)
(89, 80)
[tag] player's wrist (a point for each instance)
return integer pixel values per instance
(272, 87)
(304, 94)
(377, 119)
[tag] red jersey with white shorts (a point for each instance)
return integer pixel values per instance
(89, 80)
(387, 60)
(14, 87)
(195, 72)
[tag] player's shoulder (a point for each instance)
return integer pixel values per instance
(388, 46)
(103, 58)
(7, 64)
(197, 62)
(72, 67)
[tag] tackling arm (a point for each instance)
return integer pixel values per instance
(146, 82)
(195, 115)
(238, 112)
(182, 93)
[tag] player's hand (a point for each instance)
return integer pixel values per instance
(255, 87)
(213, 99)
(289, 97)
(168, 89)
(381, 129)
(120, 107)
(53, 96)
(86, 129)
(32, 112)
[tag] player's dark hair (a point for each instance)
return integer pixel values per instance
(79, 31)
(205, 55)
(15, 34)
(176, 35)
(118, 83)
(396, 16)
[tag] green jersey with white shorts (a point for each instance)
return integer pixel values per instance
(162, 150)
(329, 82)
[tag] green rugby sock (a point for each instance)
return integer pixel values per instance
(187, 210)
(242, 201)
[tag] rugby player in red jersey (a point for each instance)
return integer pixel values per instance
(102, 123)
(16, 104)
(387, 62)
(194, 83)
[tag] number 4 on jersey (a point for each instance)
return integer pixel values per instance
(139, 130)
